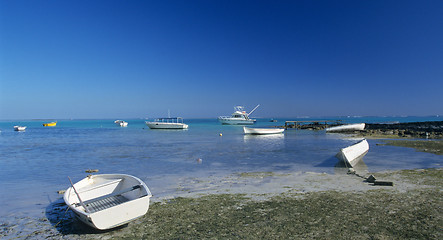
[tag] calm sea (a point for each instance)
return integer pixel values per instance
(36, 163)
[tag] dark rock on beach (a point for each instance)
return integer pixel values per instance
(431, 130)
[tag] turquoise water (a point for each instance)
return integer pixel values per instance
(36, 163)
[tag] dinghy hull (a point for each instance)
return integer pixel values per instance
(262, 131)
(108, 200)
(353, 154)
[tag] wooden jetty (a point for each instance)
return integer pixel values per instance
(317, 124)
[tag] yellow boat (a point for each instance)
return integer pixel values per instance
(51, 124)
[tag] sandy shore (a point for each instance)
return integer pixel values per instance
(266, 205)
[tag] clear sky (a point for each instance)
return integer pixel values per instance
(130, 59)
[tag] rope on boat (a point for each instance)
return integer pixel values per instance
(370, 178)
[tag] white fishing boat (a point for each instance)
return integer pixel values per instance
(19, 128)
(347, 127)
(353, 154)
(121, 123)
(167, 123)
(263, 131)
(108, 200)
(239, 117)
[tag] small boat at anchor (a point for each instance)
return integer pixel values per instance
(107, 201)
(51, 124)
(262, 131)
(121, 123)
(19, 128)
(167, 123)
(347, 127)
(239, 117)
(353, 154)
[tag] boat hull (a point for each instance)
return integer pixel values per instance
(353, 154)
(348, 127)
(121, 123)
(262, 131)
(51, 124)
(111, 200)
(19, 128)
(164, 125)
(236, 121)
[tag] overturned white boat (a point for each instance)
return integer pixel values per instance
(167, 123)
(347, 127)
(353, 154)
(262, 131)
(239, 117)
(108, 200)
(121, 123)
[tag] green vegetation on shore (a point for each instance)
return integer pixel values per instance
(374, 214)
(431, 146)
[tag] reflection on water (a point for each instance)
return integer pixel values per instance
(265, 142)
(268, 137)
(342, 168)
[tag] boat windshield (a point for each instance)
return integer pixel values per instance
(170, 120)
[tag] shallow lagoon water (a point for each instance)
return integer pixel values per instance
(36, 163)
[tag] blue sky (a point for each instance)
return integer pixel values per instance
(130, 59)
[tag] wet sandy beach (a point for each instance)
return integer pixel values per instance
(266, 205)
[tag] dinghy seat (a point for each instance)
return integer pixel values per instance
(108, 201)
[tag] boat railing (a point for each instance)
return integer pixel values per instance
(170, 120)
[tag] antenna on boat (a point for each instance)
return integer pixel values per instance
(253, 109)
(169, 114)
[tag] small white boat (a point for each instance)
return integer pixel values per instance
(353, 154)
(121, 123)
(239, 117)
(108, 200)
(263, 131)
(347, 127)
(167, 123)
(19, 128)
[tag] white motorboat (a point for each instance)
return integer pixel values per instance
(121, 123)
(167, 123)
(353, 154)
(19, 128)
(239, 117)
(108, 200)
(263, 131)
(347, 127)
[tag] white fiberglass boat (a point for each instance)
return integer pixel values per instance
(263, 131)
(239, 117)
(353, 154)
(19, 128)
(347, 127)
(167, 123)
(121, 123)
(108, 200)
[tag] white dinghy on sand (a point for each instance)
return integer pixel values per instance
(107, 201)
